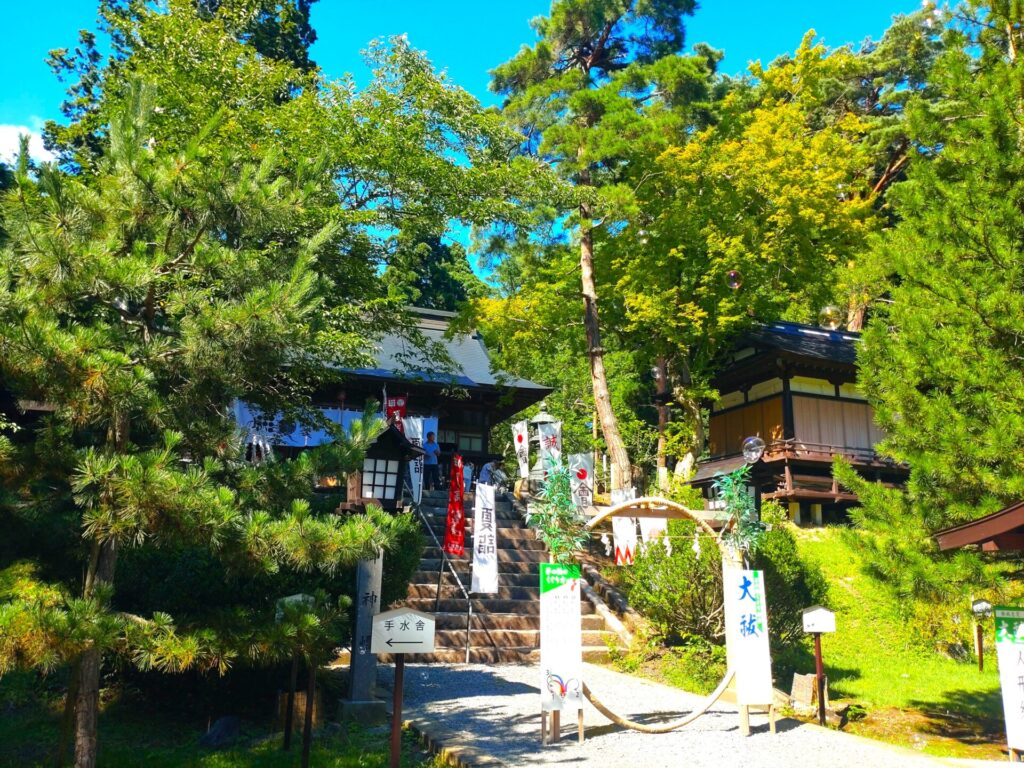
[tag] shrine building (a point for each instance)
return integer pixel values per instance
(794, 386)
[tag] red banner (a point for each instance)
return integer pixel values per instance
(394, 412)
(455, 527)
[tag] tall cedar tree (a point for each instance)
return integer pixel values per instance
(578, 95)
(941, 354)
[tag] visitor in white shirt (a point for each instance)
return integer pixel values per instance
(490, 472)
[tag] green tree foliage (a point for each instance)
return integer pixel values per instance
(601, 86)
(217, 233)
(433, 274)
(681, 592)
(939, 359)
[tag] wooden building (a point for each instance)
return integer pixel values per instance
(467, 397)
(795, 387)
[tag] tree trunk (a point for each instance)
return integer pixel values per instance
(87, 707)
(662, 396)
(67, 725)
(620, 466)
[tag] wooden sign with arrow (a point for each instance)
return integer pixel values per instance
(398, 632)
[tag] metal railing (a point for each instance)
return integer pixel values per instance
(440, 574)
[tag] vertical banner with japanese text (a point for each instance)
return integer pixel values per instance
(746, 634)
(1010, 656)
(455, 522)
(561, 651)
(521, 441)
(581, 478)
(485, 542)
(416, 429)
(550, 444)
(394, 411)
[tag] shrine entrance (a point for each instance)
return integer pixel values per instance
(658, 507)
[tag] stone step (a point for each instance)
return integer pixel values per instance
(457, 621)
(438, 522)
(502, 541)
(465, 566)
(505, 555)
(446, 639)
(453, 593)
(483, 604)
(438, 500)
(490, 656)
(502, 509)
(448, 580)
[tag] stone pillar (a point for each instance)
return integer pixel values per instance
(362, 673)
(816, 517)
(794, 512)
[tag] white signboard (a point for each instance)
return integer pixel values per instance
(416, 429)
(521, 441)
(581, 479)
(746, 635)
(818, 618)
(550, 444)
(403, 630)
(485, 542)
(561, 652)
(1010, 655)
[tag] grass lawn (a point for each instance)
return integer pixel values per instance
(914, 696)
(134, 732)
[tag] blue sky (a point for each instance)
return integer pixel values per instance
(465, 37)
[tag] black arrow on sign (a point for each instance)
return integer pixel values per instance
(404, 642)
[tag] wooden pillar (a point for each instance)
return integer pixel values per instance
(794, 512)
(816, 514)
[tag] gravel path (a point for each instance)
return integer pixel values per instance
(496, 710)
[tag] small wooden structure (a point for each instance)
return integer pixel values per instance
(379, 481)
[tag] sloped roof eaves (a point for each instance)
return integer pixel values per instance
(397, 359)
(840, 347)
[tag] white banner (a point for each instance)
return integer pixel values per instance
(624, 528)
(1010, 656)
(653, 528)
(521, 441)
(416, 429)
(550, 444)
(485, 542)
(271, 429)
(581, 478)
(746, 635)
(624, 532)
(561, 651)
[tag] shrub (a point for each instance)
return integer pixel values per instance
(681, 593)
(791, 585)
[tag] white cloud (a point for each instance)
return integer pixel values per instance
(9, 142)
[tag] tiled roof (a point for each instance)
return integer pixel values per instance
(398, 358)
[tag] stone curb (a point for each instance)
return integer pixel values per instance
(445, 743)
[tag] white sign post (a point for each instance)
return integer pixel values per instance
(1010, 657)
(746, 631)
(398, 632)
(818, 619)
(561, 652)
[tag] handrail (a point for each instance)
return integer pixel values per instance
(469, 602)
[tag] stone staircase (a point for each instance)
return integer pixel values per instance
(506, 625)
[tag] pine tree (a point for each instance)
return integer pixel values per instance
(597, 87)
(940, 359)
